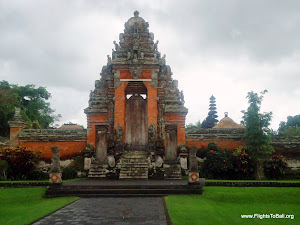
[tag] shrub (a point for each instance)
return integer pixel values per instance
(38, 175)
(78, 163)
(21, 160)
(276, 167)
(202, 152)
(218, 163)
(69, 173)
(3, 169)
(242, 164)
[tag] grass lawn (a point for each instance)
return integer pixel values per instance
(225, 205)
(281, 181)
(32, 181)
(25, 205)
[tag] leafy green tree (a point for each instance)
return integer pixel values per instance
(290, 127)
(258, 142)
(211, 119)
(194, 125)
(32, 101)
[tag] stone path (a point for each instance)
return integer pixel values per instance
(110, 211)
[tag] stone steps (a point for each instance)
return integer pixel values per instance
(134, 165)
(97, 171)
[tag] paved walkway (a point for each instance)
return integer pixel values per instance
(110, 211)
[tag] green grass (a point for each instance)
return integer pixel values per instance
(225, 205)
(25, 205)
(34, 181)
(281, 181)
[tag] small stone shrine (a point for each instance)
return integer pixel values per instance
(55, 172)
(136, 112)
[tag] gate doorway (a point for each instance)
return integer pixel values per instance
(136, 132)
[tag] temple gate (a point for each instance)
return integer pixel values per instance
(136, 102)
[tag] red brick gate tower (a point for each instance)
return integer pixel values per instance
(136, 102)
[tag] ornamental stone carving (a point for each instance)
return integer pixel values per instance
(119, 134)
(135, 71)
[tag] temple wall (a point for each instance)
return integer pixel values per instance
(95, 119)
(179, 120)
(69, 142)
(120, 106)
(151, 103)
(224, 138)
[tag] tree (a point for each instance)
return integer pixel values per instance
(194, 125)
(211, 120)
(290, 127)
(258, 142)
(32, 102)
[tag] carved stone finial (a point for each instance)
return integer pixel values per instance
(136, 13)
(17, 115)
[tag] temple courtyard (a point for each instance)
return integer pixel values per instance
(217, 205)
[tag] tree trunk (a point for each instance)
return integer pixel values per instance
(259, 171)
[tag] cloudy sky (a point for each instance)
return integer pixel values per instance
(225, 48)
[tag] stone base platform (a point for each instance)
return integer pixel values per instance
(123, 188)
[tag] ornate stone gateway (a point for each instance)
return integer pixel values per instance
(136, 121)
(137, 102)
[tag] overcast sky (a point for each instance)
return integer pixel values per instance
(225, 48)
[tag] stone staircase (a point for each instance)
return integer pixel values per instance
(134, 165)
(97, 171)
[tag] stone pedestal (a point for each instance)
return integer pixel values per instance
(172, 171)
(55, 178)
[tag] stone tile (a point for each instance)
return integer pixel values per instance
(106, 211)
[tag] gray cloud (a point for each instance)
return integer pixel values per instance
(221, 48)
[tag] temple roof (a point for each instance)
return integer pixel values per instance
(227, 122)
(136, 19)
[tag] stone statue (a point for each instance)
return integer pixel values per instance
(121, 37)
(152, 132)
(183, 163)
(128, 55)
(108, 60)
(155, 45)
(117, 47)
(162, 61)
(111, 161)
(159, 162)
(55, 164)
(142, 55)
(119, 133)
(193, 163)
(151, 36)
(181, 96)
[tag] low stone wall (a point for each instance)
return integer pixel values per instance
(225, 138)
(287, 146)
(70, 142)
